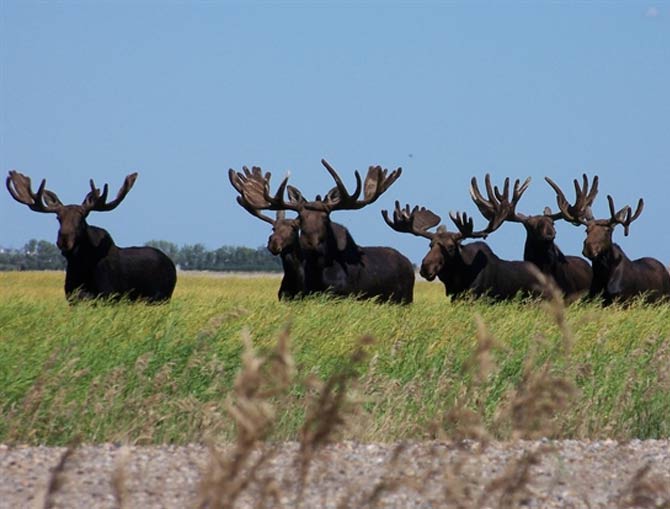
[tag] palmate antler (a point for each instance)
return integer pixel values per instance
(19, 186)
(580, 212)
(253, 187)
(44, 200)
(498, 203)
(417, 221)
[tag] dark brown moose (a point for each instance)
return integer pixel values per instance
(332, 260)
(464, 269)
(571, 274)
(615, 276)
(96, 267)
(283, 241)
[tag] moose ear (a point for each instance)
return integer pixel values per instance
(332, 197)
(294, 195)
(100, 239)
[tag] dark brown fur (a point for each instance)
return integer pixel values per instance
(571, 274)
(96, 267)
(331, 260)
(464, 269)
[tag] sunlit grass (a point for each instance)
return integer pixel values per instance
(147, 373)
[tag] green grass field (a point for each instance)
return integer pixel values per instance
(155, 374)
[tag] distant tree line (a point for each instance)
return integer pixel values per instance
(43, 255)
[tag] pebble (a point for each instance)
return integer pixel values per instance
(570, 473)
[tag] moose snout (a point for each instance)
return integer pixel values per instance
(65, 243)
(274, 246)
(312, 243)
(590, 252)
(428, 271)
(549, 235)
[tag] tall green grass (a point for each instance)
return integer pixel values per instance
(99, 372)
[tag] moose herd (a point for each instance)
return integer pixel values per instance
(320, 256)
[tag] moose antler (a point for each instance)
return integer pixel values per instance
(20, 188)
(417, 221)
(96, 201)
(624, 216)
(580, 212)
(377, 181)
(499, 204)
(465, 225)
(256, 186)
(254, 189)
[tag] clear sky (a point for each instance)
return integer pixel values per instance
(182, 91)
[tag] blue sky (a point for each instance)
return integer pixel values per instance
(182, 91)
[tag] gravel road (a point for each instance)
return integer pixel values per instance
(533, 474)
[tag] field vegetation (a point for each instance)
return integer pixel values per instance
(142, 374)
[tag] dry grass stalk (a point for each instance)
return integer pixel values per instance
(644, 491)
(226, 478)
(118, 481)
(326, 414)
(55, 480)
(538, 399)
(392, 480)
(462, 421)
(513, 484)
(33, 399)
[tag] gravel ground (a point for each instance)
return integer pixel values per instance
(533, 474)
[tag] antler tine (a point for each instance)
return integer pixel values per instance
(98, 202)
(580, 212)
(371, 191)
(583, 197)
(416, 222)
(277, 201)
(498, 206)
(625, 216)
(377, 181)
(504, 196)
(20, 188)
(464, 223)
(254, 212)
(520, 189)
(342, 196)
(485, 206)
(254, 189)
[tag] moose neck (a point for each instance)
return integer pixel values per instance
(460, 271)
(94, 244)
(604, 266)
(543, 254)
(292, 258)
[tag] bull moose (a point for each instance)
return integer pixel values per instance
(283, 241)
(616, 278)
(332, 261)
(571, 274)
(96, 267)
(465, 268)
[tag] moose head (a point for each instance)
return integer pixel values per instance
(540, 228)
(445, 246)
(598, 231)
(251, 185)
(72, 218)
(317, 236)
